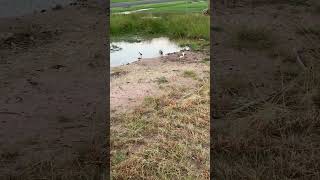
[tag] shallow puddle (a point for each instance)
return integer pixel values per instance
(126, 52)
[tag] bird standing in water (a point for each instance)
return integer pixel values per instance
(160, 52)
(140, 57)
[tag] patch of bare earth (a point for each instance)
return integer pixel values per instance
(131, 83)
(52, 74)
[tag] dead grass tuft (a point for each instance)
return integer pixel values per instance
(189, 74)
(117, 72)
(162, 80)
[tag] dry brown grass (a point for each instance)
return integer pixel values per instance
(88, 163)
(274, 139)
(165, 138)
(275, 135)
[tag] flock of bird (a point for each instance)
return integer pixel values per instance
(161, 53)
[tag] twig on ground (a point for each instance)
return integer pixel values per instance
(299, 60)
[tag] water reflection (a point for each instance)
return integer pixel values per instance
(127, 52)
(134, 11)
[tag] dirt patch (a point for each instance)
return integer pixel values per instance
(52, 74)
(141, 78)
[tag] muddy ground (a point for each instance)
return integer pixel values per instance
(53, 89)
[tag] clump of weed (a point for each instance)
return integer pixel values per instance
(206, 61)
(189, 74)
(162, 80)
(311, 30)
(117, 72)
(252, 38)
(118, 157)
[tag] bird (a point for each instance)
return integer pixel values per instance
(160, 52)
(140, 57)
(182, 55)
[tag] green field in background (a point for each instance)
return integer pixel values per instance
(170, 7)
(116, 1)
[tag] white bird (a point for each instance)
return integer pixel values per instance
(182, 55)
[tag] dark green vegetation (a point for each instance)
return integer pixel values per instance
(176, 26)
(161, 80)
(190, 74)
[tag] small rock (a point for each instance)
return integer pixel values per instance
(58, 66)
(33, 83)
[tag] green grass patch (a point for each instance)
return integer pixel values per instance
(175, 26)
(194, 44)
(118, 157)
(189, 74)
(162, 80)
